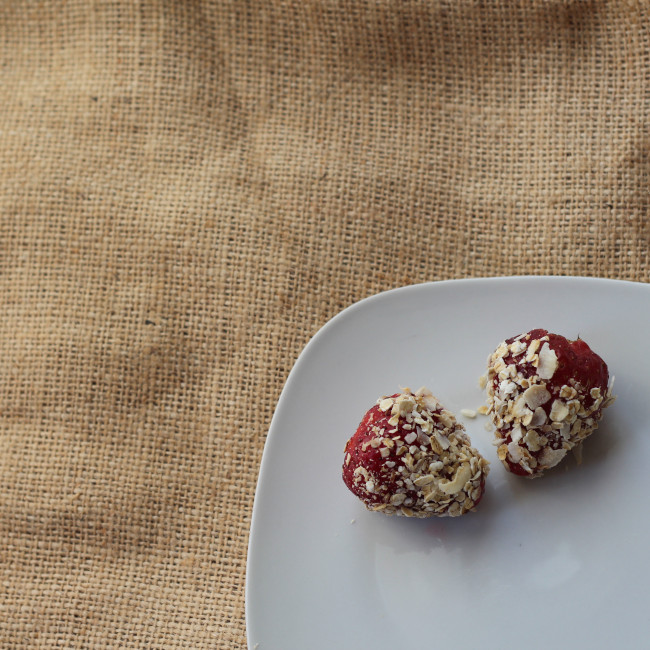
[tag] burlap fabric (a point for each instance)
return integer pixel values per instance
(189, 190)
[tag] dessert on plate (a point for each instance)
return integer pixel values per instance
(410, 457)
(546, 394)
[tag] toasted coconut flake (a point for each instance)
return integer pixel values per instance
(551, 457)
(533, 440)
(536, 395)
(410, 438)
(441, 439)
(517, 433)
(515, 452)
(519, 408)
(425, 480)
(463, 474)
(403, 405)
(446, 418)
(517, 348)
(386, 404)
(547, 362)
(539, 417)
(568, 392)
(426, 398)
(533, 346)
(559, 411)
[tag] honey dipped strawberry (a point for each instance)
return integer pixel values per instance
(546, 394)
(410, 457)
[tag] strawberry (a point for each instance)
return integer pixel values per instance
(546, 394)
(410, 457)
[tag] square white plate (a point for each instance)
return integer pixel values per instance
(558, 562)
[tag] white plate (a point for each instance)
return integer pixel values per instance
(559, 562)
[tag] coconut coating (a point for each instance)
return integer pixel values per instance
(546, 394)
(410, 457)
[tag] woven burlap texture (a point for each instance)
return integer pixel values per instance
(189, 190)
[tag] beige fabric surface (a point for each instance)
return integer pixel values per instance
(190, 189)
